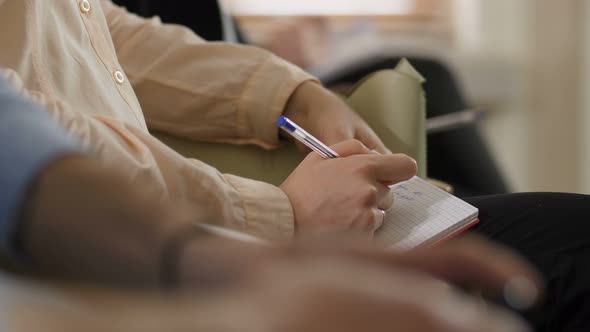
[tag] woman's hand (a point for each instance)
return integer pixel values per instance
(332, 195)
(327, 117)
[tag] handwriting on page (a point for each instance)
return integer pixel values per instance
(408, 194)
(422, 213)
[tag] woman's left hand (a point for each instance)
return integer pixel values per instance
(327, 117)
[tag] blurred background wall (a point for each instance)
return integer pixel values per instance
(525, 61)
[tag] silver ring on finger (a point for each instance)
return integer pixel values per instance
(380, 218)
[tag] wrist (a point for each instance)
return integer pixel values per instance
(286, 190)
(302, 100)
(208, 260)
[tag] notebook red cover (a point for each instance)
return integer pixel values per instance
(457, 232)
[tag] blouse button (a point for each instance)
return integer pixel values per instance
(85, 6)
(119, 77)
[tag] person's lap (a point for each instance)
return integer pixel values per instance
(553, 232)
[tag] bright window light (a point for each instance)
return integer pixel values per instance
(320, 7)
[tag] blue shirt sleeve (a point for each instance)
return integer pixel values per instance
(29, 141)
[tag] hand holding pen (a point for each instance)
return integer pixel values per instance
(330, 194)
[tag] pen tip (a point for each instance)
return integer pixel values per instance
(281, 121)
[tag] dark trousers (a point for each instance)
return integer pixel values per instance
(553, 232)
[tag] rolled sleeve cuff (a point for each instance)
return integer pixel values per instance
(30, 141)
(268, 212)
(266, 95)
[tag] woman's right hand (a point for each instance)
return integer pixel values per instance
(330, 195)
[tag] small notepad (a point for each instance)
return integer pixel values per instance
(423, 215)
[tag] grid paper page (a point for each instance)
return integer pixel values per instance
(422, 213)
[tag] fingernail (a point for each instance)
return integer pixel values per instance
(520, 293)
(375, 152)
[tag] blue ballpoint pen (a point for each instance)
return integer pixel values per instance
(306, 138)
